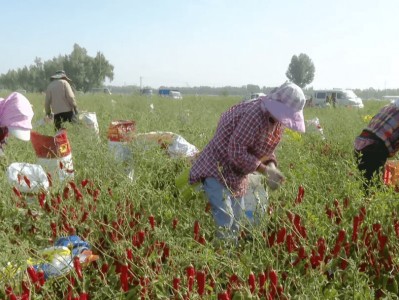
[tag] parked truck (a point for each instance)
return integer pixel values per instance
(174, 94)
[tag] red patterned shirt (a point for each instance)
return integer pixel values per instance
(245, 135)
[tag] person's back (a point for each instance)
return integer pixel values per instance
(60, 96)
(60, 99)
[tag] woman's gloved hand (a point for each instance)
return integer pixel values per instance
(274, 177)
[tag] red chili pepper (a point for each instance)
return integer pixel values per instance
(50, 179)
(346, 202)
(290, 216)
(321, 246)
(196, 230)
(41, 197)
(356, 223)
(314, 259)
(96, 193)
(233, 281)
(84, 182)
(78, 195)
(251, 282)
(281, 235)
(201, 282)
(290, 243)
(202, 240)
(383, 239)
(65, 193)
(129, 254)
(329, 212)
(78, 267)
(297, 223)
(223, 296)
(377, 227)
(396, 226)
(190, 272)
(141, 235)
(176, 285)
(25, 289)
(174, 223)
(84, 216)
(17, 192)
(362, 213)
(262, 282)
(41, 277)
(301, 193)
(151, 218)
(124, 268)
(83, 296)
(32, 274)
(144, 281)
(10, 293)
(27, 181)
(273, 277)
(271, 238)
(341, 236)
(104, 270)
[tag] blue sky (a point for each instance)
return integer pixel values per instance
(353, 43)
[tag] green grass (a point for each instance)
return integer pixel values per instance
(325, 168)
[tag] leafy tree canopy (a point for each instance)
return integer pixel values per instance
(85, 71)
(301, 70)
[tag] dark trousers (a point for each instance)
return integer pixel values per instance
(371, 160)
(62, 118)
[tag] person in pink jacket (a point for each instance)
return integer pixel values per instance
(16, 115)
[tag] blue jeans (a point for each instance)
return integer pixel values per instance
(226, 209)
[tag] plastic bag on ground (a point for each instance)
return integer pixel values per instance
(313, 126)
(27, 178)
(175, 145)
(58, 260)
(90, 120)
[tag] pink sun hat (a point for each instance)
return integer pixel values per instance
(16, 114)
(286, 104)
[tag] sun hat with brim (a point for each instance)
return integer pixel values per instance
(16, 112)
(22, 134)
(60, 75)
(286, 104)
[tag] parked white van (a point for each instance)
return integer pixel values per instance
(255, 96)
(175, 95)
(343, 97)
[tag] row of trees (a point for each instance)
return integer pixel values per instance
(85, 71)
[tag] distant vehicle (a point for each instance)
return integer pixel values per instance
(390, 97)
(146, 92)
(343, 97)
(257, 95)
(174, 94)
(101, 90)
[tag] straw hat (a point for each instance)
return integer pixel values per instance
(60, 74)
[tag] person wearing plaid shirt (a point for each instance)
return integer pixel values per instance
(244, 142)
(378, 141)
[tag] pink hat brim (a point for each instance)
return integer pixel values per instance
(287, 116)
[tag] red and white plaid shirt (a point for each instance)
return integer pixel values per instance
(245, 135)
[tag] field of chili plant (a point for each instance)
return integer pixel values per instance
(321, 237)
